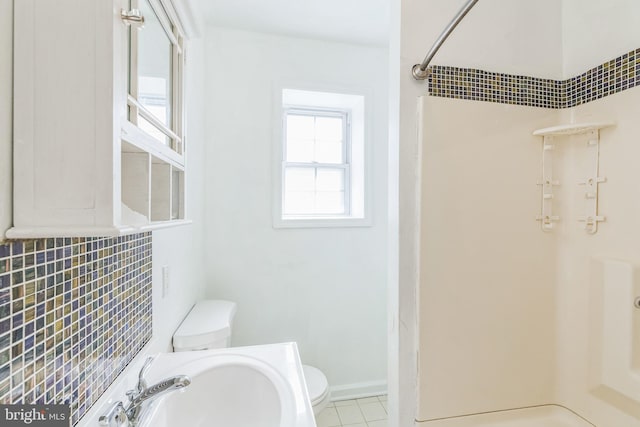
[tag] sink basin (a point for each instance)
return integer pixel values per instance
(259, 386)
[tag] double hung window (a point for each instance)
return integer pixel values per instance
(321, 153)
(316, 167)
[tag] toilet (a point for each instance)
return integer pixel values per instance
(208, 326)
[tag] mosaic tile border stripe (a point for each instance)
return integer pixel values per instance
(606, 79)
(73, 313)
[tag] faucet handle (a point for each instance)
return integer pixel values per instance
(142, 383)
(115, 416)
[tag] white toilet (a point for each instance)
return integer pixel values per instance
(208, 326)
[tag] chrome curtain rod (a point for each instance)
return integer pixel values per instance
(420, 71)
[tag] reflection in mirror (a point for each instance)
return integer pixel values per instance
(155, 52)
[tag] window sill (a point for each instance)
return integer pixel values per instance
(325, 222)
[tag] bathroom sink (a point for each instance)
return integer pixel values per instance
(259, 386)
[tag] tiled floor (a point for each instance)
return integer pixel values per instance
(368, 412)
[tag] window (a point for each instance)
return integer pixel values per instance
(316, 165)
(321, 155)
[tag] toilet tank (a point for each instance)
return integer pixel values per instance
(207, 326)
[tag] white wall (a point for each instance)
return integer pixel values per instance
(182, 248)
(6, 116)
(597, 31)
(507, 36)
(324, 288)
(499, 35)
(401, 342)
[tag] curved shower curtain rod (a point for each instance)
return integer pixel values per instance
(420, 71)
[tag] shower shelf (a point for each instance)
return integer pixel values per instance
(591, 183)
(572, 129)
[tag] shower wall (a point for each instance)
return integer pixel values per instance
(593, 32)
(582, 382)
(487, 303)
(498, 35)
(508, 315)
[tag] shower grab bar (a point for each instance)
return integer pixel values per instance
(420, 71)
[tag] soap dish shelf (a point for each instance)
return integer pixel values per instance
(572, 129)
(549, 136)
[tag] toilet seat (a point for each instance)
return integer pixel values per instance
(317, 387)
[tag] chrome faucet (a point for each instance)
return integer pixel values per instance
(142, 383)
(136, 400)
(119, 415)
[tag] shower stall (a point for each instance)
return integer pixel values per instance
(528, 296)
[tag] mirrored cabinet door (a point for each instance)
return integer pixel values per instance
(156, 59)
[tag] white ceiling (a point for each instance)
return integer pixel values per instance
(350, 21)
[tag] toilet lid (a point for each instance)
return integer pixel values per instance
(317, 384)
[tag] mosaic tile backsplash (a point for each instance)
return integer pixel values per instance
(606, 79)
(73, 313)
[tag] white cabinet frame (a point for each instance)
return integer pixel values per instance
(71, 124)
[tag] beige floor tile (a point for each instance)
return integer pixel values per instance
(338, 403)
(350, 414)
(373, 411)
(367, 400)
(381, 423)
(328, 418)
(385, 405)
(382, 398)
(355, 425)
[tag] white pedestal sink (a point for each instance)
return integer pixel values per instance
(259, 386)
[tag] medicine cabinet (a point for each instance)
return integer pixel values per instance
(99, 134)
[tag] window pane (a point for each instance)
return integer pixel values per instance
(328, 152)
(314, 139)
(299, 187)
(309, 191)
(330, 179)
(330, 202)
(155, 53)
(300, 151)
(299, 128)
(298, 202)
(299, 179)
(329, 129)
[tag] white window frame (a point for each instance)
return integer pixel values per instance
(346, 155)
(358, 122)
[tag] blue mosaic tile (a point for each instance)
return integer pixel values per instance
(59, 301)
(472, 84)
(16, 248)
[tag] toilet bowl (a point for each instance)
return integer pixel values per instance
(208, 326)
(317, 387)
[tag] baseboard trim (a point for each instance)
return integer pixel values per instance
(358, 390)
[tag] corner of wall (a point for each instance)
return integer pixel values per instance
(181, 249)
(6, 116)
